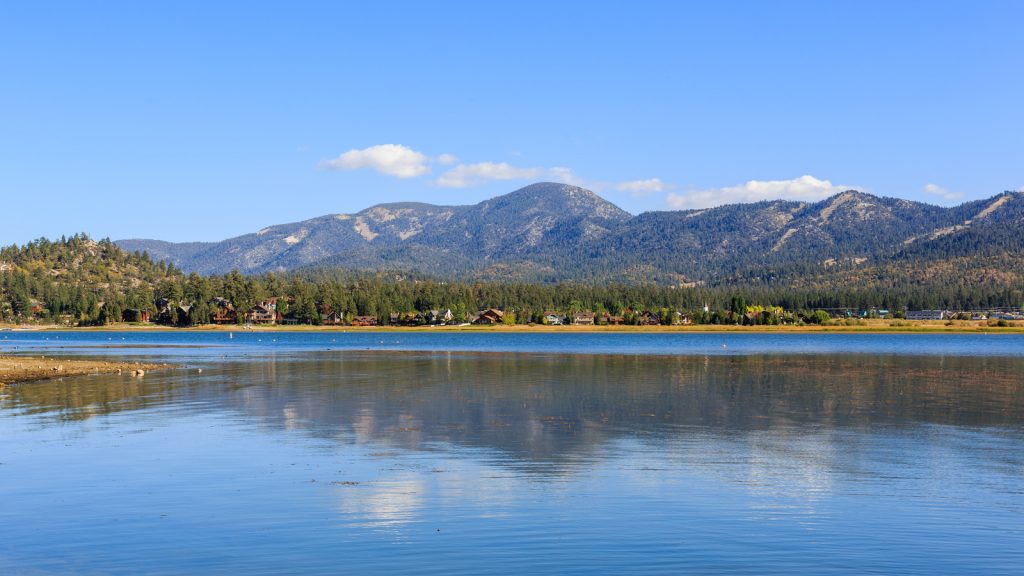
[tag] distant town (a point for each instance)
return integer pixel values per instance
(277, 311)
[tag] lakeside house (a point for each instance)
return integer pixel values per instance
(926, 315)
(135, 315)
(332, 319)
(614, 320)
(223, 311)
(439, 317)
(265, 312)
(553, 318)
(490, 316)
(364, 321)
(583, 318)
(260, 314)
(648, 318)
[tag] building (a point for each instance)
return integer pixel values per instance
(223, 311)
(332, 319)
(364, 321)
(649, 318)
(553, 318)
(490, 316)
(261, 314)
(927, 315)
(440, 317)
(583, 318)
(135, 315)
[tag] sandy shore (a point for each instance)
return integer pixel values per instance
(28, 368)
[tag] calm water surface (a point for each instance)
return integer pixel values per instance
(390, 453)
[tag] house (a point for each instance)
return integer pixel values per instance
(649, 318)
(490, 316)
(223, 311)
(440, 317)
(135, 315)
(926, 314)
(613, 320)
(583, 318)
(184, 314)
(261, 314)
(332, 319)
(168, 313)
(405, 319)
(364, 321)
(553, 318)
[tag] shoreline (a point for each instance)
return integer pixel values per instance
(20, 369)
(865, 327)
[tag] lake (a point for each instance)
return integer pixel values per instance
(499, 453)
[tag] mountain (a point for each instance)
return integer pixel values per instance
(448, 239)
(552, 232)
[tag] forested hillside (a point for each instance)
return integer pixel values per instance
(76, 280)
(83, 282)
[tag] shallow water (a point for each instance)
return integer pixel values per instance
(842, 454)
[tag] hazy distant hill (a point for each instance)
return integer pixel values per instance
(550, 232)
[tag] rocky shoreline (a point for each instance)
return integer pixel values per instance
(14, 369)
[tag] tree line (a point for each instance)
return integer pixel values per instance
(80, 281)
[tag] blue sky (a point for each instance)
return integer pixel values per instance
(200, 121)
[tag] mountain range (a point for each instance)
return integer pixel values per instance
(555, 232)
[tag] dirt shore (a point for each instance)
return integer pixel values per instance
(28, 368)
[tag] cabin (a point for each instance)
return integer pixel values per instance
(614, 320)
(223, 311)
(583, 318)
(405, 319)
(649, 319)
(135, 315)
(184, 314)
(364, 321)
(168, 313)
(332, 319)
(440, 317)
(490, 316)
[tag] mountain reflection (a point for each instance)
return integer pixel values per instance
(540, 410)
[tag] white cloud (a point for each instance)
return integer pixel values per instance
(807, 188)
(447, 159)
(566, 176)
(936, 190)
(641, 187)
(466, 175)
(391, 159)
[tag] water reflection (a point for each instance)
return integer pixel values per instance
(551, 463)
(547, 411)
